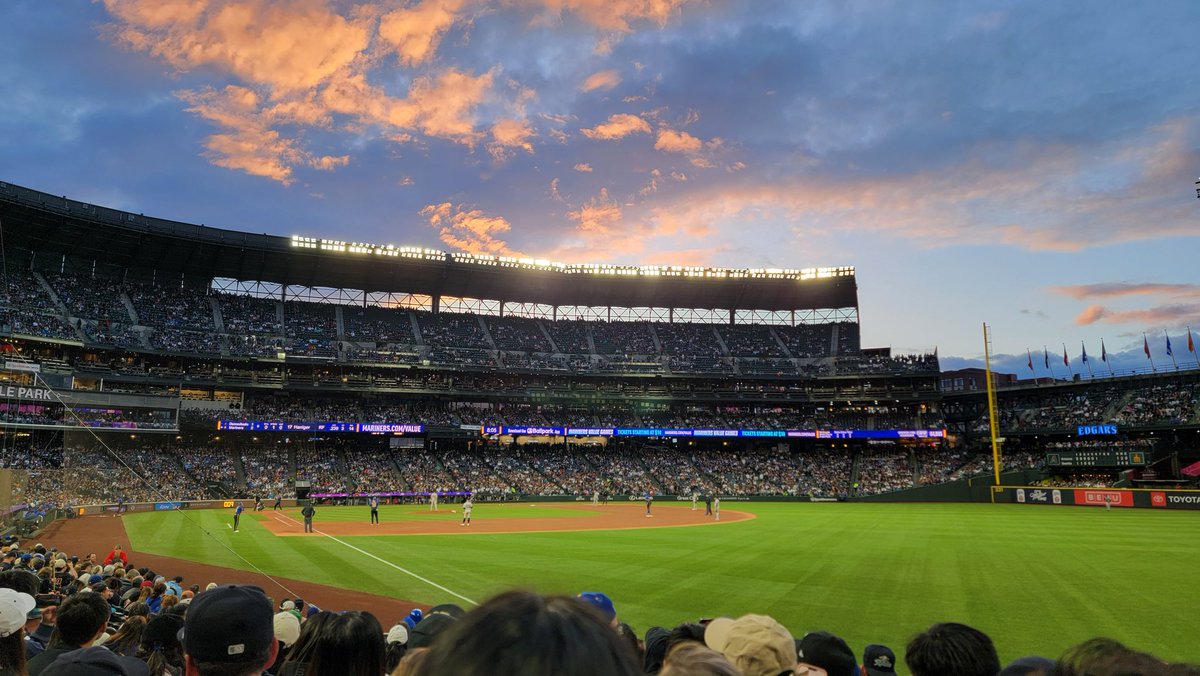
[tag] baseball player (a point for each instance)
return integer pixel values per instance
(374, 503)
(649, 497)
(695, 498)
(467, 505)
(237, 515)
(308, 512)
(278, 503)
(433, 501)
(717, 508)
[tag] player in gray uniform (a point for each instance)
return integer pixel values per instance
(467, 505)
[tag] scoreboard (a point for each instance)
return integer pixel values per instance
(1108, 457)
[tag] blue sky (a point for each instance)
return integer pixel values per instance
(1027, 164)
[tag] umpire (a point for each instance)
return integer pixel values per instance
(308, 513)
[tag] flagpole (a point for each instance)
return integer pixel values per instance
(1104, 358)
(1046, 361)
(1087, 361)
(1146, 343)
(1170, 352)
(1067, 362)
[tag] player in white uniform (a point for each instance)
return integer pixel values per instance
(695, 497)
(717, 508)
(466, 520)
(433, 501)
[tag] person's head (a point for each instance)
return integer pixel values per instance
(522, 633)
(81, 619)
(130, 633)
(689, 658)
(952, 649)
(1106, 657)
(878, 660)
(349, 644)
(20, 580)
(601, 602)
(229, 632)
(412, 663)
(14, 613)
(1029, 666)
(160, 648)
(756, 644)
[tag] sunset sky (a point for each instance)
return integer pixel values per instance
(1028, 164)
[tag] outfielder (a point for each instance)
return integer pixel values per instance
(466, 520)
(433, 501)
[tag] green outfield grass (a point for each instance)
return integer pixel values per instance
(1037, 579)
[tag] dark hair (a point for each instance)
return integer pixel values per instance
(520, 633)
(1105, 657)
(690, 657)
(332, 644)
(80, 618)
(952, 649)
(128, 636)
(138, 608)
(20, 580)
(12, 652)
(627, 634)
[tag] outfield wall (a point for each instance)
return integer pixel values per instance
(1148, 498)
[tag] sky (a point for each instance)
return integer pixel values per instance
(1025, 164)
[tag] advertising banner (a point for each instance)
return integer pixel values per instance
(1100, 497)
(1175, 499)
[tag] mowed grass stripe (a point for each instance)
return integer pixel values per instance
(1038, 579)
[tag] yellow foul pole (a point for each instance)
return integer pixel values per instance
(991, 390)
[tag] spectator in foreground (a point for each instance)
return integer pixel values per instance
(520, 633)
(689, 658)
(160, 648)
(952, 649)
(81, 619)
(14, 610)
(346, 644)
(1106, 657)
(229, 632)
(756, 644)
(827, 652)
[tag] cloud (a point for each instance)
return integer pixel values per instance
(618, 126)
(301, 64)
(677, 142)
(612, 15)
(507, 134)
(583, 167)
(1121, 289)
(469, 230)
(1091, 315)
(415, 32)
(248, 143)
(605, 79)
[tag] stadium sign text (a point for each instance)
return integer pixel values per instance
(1089, 430)
(20, 392)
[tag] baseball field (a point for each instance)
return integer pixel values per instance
(1037, 579)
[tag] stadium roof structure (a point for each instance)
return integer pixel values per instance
(115, 240)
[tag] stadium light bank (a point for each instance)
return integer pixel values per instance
(687, 271)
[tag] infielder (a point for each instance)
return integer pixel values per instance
(467, 505)
(237, 515)
(374, 503)
(695, 498)
(717, 508)
(433, 501)
(649, 503)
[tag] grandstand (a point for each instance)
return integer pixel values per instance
(165, 365)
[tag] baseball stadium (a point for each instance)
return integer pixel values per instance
(676, 443)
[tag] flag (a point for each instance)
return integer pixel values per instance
(1103, 352)
(1046, 356)
(1084, 351)
(1169, 354)
(1030, 355)
(1191, 345)
(1066, 360)
(1146, 346)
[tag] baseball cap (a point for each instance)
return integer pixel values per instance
(756, 644)
(230, 623)
(163, 630)
(96, 661)
(450, 609)
(429, 628)
(878, 660)
(14, 610)
(287, 627)
(823, 649)
(398, 634)
(602, 603)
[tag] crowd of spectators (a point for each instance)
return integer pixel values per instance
(91, 613)
(884, 472)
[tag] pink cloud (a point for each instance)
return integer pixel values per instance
(605, 79)
(583, 167)
(612, 15)
(618, 126)
(415, 32)
(1091, 315)
(677, 142)
(469, 230)
(507, 134)
(1120, 289)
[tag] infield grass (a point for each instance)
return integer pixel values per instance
(1036, 579)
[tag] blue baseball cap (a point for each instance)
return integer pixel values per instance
(602, 603)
